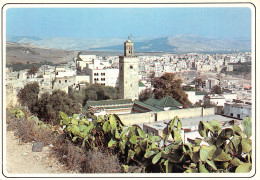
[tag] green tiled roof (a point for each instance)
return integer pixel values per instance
(151, 101)
(147, 106)
(168, 101)
(79, 59)
(118, 107)
(201, 93)
(109, 102)
(141, 84)
(173, 108)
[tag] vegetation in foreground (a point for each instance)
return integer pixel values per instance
(85, 145)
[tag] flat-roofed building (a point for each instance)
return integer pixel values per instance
(238, 110)
(189, 129)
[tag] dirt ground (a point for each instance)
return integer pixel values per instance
(21, 160)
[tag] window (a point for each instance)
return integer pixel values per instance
(65, 81)
(231, 114)
(59, 81)
(103, 79)
(238, 115)
(131, 67)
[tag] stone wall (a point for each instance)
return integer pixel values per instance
(140, 118)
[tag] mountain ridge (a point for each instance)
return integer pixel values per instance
(180, 43)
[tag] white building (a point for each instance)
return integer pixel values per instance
(217, 99)
(238, 110)
(196, 96)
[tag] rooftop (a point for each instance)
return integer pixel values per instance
(146, 106)
(194, 121)
(109, 102)
(141, 84)
(168, 101)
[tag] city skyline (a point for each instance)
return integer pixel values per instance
(214, 22)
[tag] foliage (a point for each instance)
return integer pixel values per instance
(77, 96)
(101, 162)
(20, 66)
(145, 94)
(226, 150)
(209, 104)
(168, 85)
(198, 84)
(33, 70)
(29, 128)
(49, 105)
(99, 92)
(216, 89)
(238, 69)
(28, 96)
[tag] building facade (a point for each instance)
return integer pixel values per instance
(238, 110)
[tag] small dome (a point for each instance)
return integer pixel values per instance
(128, 40)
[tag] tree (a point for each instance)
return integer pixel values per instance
(216, 89)
(49, 106)
(96, 92)
(28, 96)
(77, 96)
(32, 71)
(168, 85)
(145, 94)
(198, 83)
(208, 104)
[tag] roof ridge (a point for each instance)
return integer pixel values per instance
(166, 100)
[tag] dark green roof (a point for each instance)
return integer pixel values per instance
(146, 106)
(109, 102)
(201, 93)
(141, 84)
(118, 107)
(173, 108)
(79, 59)
(168, 101)
(151, 101)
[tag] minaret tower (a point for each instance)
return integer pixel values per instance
(128, 72)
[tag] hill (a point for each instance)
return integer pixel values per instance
(180, 43)
(28, 54)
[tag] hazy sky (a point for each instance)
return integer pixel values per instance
(120, 22)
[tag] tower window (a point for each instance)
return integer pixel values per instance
(131, 67)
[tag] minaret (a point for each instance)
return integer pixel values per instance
(128, 72)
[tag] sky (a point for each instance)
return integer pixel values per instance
(212, 22)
